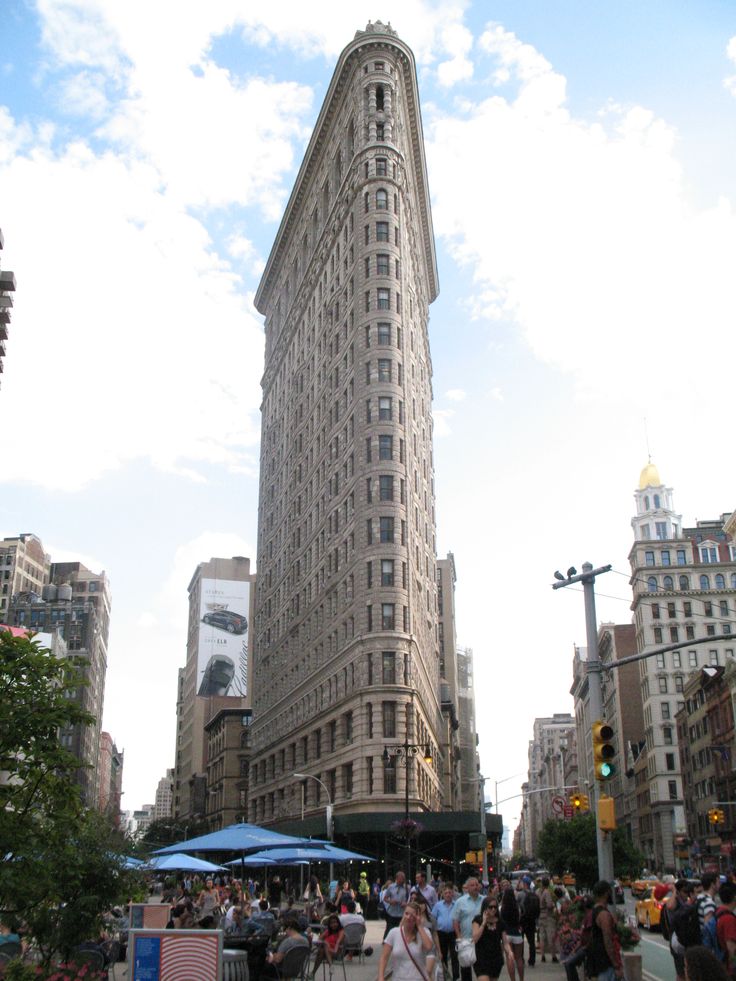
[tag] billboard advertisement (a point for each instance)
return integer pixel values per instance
(222, 659)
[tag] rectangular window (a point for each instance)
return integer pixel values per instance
(670, 760)
(660, 660)
(369, 617)
(681, 556)
(655, 611)
(713, 657)
(661, 529)
(380, 166)
(388, 667)
(676, 659)
(667, 734)
(665, 710)
(672, 788)
(388, 618)
(649, 558)
(384, 369)
(674, 634)
(679, 682)
(368, 450)
(369, 531)
(389, 777)
(348, 726)
(692, 659)
(369, 575)
(687, 608)
(367, 300)
(708, 608)
(368, 490)
(389, 720)
(658, 637)
(690, 633)
(671, 611)
(384, 409)
(387, 530)
(385, 447)
(382, 231)
(382, 266)
(387, 572)
(666, 556)
(384, 333)
(662, 684)
(386, 487)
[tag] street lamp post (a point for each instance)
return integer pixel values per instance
(328, 808)
(404, 753)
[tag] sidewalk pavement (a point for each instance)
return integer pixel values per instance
(368, 970)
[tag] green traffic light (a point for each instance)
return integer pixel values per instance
(607, 770)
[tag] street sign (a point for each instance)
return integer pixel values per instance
(567, 811)
(558, 805)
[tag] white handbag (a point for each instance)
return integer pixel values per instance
(465, 952)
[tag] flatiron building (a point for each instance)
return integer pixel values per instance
(346, 624)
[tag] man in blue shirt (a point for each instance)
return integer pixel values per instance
(466, 908)
(442, 913)
(395, 899)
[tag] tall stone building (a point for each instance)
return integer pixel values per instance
(684, 588)
(110, 780)
(346, 617)
(547, 748)
(24, 567)
(216, 674)
(75, 603)
(461, 764)
(164, 797)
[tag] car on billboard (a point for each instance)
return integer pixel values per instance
(234, 623)
(217, 676)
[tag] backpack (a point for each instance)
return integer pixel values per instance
(686, 926)
(530, 909)
(709, 936)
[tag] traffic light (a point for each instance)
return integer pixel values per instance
(577, 802)
(716, 816)
(603, 751)
(607, 814)
(584, 802)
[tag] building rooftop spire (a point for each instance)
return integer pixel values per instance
(649, 476)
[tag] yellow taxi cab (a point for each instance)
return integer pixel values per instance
(648, 910)
(640, 886)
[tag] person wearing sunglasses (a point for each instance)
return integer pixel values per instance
(488, 937)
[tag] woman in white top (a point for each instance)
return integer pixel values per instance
(410, 948)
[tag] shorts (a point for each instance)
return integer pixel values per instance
(515, 938)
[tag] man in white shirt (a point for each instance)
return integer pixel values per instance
(351, 916)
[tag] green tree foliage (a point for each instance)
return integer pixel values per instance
(59, 868)
(167, 831)
(570, 846)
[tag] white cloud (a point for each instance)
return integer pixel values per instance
(730, 81)
(441, 419)
(134, 330)
(582, 233)
(456, 394)
(496, 394)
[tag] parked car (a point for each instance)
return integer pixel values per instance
(234, 623)
(648, 911)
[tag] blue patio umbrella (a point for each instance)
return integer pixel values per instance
(320, 851)
(178, 862)
(243, 839)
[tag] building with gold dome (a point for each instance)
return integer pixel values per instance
(684, 590)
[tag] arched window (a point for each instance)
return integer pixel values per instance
(382, 199)
(704, 582)
(668, 584)
(652, 584)
(684, 582)
(656, 500)
(720, 582)
(646, 502)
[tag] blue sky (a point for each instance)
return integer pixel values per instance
(581, 164)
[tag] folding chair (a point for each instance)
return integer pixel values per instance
(354, 937)
(294, 964)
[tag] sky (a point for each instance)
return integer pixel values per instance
(581, 169)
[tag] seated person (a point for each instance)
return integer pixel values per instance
(330, 941)
(264, 917)
(293, 938)
(242, 926)
(351, 916)
(182, 915)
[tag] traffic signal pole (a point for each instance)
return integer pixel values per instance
(594, 671)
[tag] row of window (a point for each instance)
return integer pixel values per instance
(382, 265)
(683, 582)
(710, 608)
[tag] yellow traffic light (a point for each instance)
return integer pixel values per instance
(719, 816)
(607, 814)
(576, 801)
(713, 816)
(584, 802)
(603, 751)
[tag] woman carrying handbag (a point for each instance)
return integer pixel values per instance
(410, 948)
